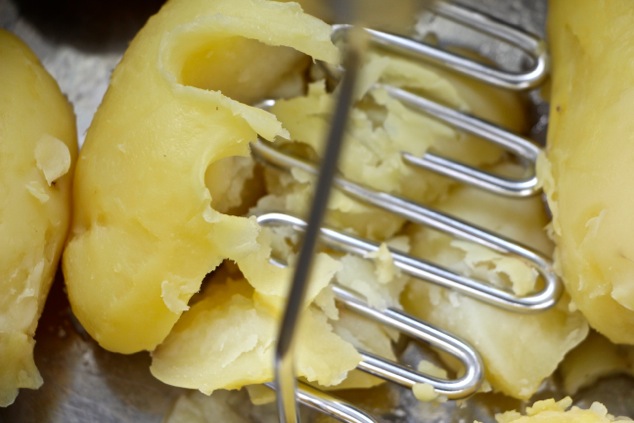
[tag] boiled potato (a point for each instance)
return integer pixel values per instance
(133, 260)
(37, 154)
(227, 341)
(519, 350)
(595, 358)
(551, 411)
(589, 159)
(380, 129)
(146, 230)
(165, 180)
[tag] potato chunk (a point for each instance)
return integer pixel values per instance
(590, 159)
(144, 232)
(38, 146)
(227, 341)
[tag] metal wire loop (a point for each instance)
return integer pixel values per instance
(329, 405)
(530, 45)
(462, 386)
(417, 213)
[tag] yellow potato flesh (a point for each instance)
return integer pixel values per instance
(144, 233)
(159, 168)
(519, 350)
(37, 153)
(595, 358)
(590, 159)
(551, 411)
(519, 353)
(200, 352)
(381, 128)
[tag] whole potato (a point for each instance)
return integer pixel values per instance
(38, 146)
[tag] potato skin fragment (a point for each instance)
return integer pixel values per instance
(590, 158)
(144, 234)
(38, 147)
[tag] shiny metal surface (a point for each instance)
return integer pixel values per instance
(414, 329)
(80, 42)
(465, 384)
(284, 361)
(329, 405)
(418, 213)
(520, 147)
(528, 47)
(497, 31)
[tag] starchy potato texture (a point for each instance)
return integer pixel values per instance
(595, 358)
(551, 411)
(590, 157)
(223, 406)
(145, 230)
(37, 154)
(381, 129)
(201, 353)
(519, 350)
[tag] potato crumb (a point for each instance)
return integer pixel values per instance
(173, 296)
(543, 168)
(599, 409)
(385, 269)
(424, 392)
(400, 243)
(260, 394)
(52, 158)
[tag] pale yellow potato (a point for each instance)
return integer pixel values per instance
(136, 256)
(160, 173)
(590, 156)
(381, 128)
(223, 406)
(519, 350)
(596, 357)
(551, 411)
(516, 368)
(145, 229)
(227, 341)
(38, 147)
